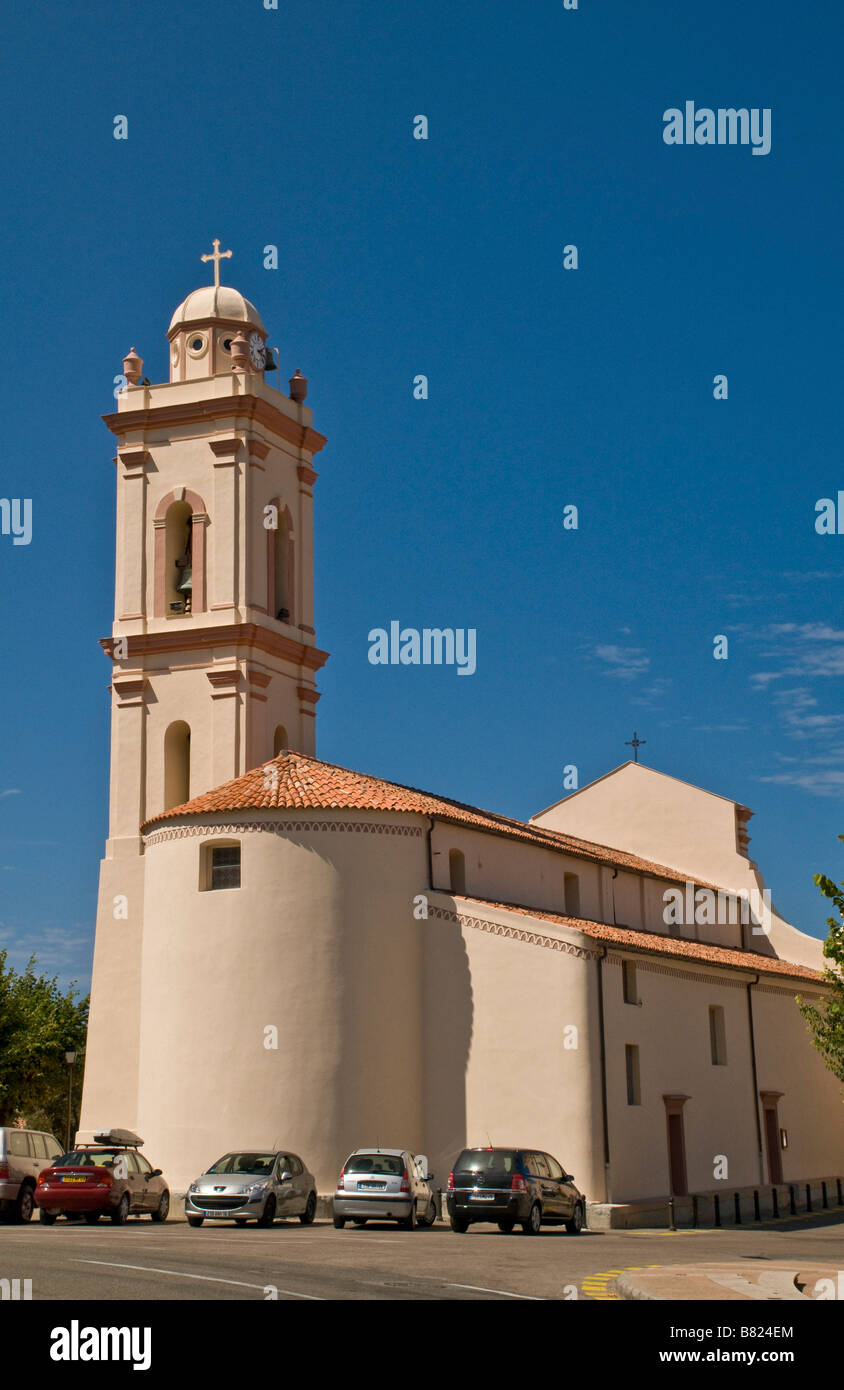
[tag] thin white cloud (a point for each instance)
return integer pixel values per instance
(829, 782)
(805, 650)
(623, 663)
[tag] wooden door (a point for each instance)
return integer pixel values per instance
(772, 1142)
(677, 1155)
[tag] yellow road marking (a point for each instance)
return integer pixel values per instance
(597, 1285)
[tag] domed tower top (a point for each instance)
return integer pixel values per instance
(202, 328)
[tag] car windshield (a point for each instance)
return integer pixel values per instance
(252, 1163)
(486, 1161)
(385, 1165)
(88, 1158)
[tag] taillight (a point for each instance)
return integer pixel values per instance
(42, 1176)
(405, 1185)
(518, 1184)
(451, 1182)
(4, 1170)
(104, 1176)
(341, 1181)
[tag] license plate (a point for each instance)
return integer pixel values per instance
(227, 1212)
(379, 1186)
(482, 1197)
(72, 1179)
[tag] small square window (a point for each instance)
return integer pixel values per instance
(225, 867)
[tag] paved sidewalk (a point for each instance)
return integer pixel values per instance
(735, 1281)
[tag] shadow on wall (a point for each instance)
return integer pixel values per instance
(448, 1014)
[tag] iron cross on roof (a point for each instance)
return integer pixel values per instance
(216, 256)
(635, 743)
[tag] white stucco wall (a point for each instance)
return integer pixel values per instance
(321, 943)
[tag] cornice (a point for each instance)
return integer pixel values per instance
(253, 409)
(236, 634)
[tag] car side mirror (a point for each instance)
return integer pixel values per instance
(156, 1173)
(286, 1176)
(429, 1178)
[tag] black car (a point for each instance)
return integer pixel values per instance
(513, 1187)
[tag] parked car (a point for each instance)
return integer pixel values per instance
(23, 1155)
(385, 1185)
(107, 1178)
(253, 1185)
(524, 1187)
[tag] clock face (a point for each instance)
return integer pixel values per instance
(257, 351)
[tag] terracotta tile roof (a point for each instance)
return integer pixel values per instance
(662, 945)
(304, 783)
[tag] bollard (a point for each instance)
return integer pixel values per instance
(824, 1202)
(808, 1196)
(840, 1198)
(775, 1202)
(717, 1204)
(756, 1213)
(791, 1199)
(672, 1225)
(694, 1211)
(737, 1203)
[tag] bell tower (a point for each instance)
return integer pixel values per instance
(213, 646)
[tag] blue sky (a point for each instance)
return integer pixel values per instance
(547, 387)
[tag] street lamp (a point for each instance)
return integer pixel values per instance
(70, 1058)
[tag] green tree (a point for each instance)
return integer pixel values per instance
(39, 1022)
(826, 1018)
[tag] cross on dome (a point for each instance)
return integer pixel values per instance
(216, 256)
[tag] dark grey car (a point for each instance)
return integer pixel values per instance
(513, 1187)
(253, 1185)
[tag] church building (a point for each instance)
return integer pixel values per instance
(293, 954)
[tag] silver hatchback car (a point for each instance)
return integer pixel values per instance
(253, 1185)
(385, 1185)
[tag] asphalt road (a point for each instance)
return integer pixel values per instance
(140, 1261)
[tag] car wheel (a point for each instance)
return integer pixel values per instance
(532, 1226)
(162, 1211)
(267, 1216)
(25, 1204)
(459, 1225)
(575, 1226)
(120, 1215)
(506, 1226)
(309, 1213)
(240, 1221)
(360, 1220)
(91, 1218)
(339, 1222)
(48, 1218)
(195, 1220)
(430, 1215)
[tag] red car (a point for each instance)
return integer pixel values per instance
(109, 1177)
